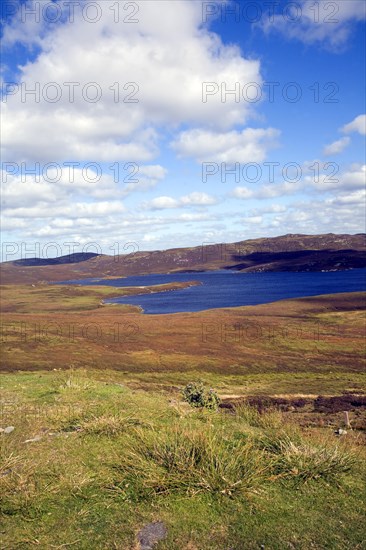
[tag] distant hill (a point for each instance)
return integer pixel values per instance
(68, 259)
(291, 252)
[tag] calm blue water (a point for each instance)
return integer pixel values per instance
(231, 289)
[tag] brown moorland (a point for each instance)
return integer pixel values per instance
(308, 345)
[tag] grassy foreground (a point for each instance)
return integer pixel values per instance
(103, 444)
(91, 461)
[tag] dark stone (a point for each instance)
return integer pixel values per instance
(151, 534)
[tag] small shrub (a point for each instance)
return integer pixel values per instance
(197, 395)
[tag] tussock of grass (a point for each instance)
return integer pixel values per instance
(302, 461)
(61, 479)
(76, 381)
(17, 482)
(194, 460)
(96, 420)
(109, 425)
(271, 419)
(71, 422)
(8, 463)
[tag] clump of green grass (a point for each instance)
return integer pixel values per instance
(109, 424)
(7, 464)
(17, 482)
(76, 380)
(302, 461)
(72, 421)
(270, 419)
(247, 415)
(94, 421)
(194, 460)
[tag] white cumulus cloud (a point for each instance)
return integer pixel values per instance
(357, 125)
(195, 199)
(166, 57)
(336, 147)
(249, 145)
(328, 24)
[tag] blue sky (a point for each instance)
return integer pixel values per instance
(206, 166)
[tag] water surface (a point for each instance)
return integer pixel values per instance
(232, 288)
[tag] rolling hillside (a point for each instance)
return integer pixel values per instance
(285, 253)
